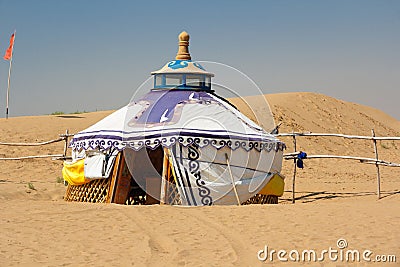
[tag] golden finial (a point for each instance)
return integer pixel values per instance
(183, 50)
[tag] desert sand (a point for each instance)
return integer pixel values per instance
(336, 199)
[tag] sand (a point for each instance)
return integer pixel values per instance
(335, 199)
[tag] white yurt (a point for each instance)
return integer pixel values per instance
(179, 144)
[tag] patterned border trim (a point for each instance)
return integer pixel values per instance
(153, 143)
(194, 166)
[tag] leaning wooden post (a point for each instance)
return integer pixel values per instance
(233, 181)
(294, 171)
(378, 174)
(66, 144)
(164, 179)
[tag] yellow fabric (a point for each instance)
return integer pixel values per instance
(74, 173)
(274, 187)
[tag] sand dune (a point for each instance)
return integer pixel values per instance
(310, 112)
(336, 199)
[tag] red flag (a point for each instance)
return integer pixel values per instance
(8, 54)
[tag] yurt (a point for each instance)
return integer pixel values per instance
(179, 144)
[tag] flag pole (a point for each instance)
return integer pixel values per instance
(9, 75)
(8, 87)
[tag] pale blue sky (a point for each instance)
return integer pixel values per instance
(92, 55)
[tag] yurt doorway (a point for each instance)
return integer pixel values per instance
(136, 179)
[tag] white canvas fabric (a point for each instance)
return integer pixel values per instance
(95, 166)
(204, 177)
(198, 117)
(98, 165)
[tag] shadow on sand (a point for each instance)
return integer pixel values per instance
(307, 197)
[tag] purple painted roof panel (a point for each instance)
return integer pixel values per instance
(162, 103)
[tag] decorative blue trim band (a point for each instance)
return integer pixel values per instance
(178, 64)
(105, 143)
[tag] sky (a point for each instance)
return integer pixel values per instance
(93, 55)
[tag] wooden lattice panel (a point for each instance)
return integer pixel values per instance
(96, 191)
(173, 197)
(262, 199)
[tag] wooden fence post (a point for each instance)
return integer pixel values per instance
(294, 171)
(378, 174)
(66, 144)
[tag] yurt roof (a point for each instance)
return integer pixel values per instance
(183, 63)
(169, 116)
(182, 67)
(176, 116)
